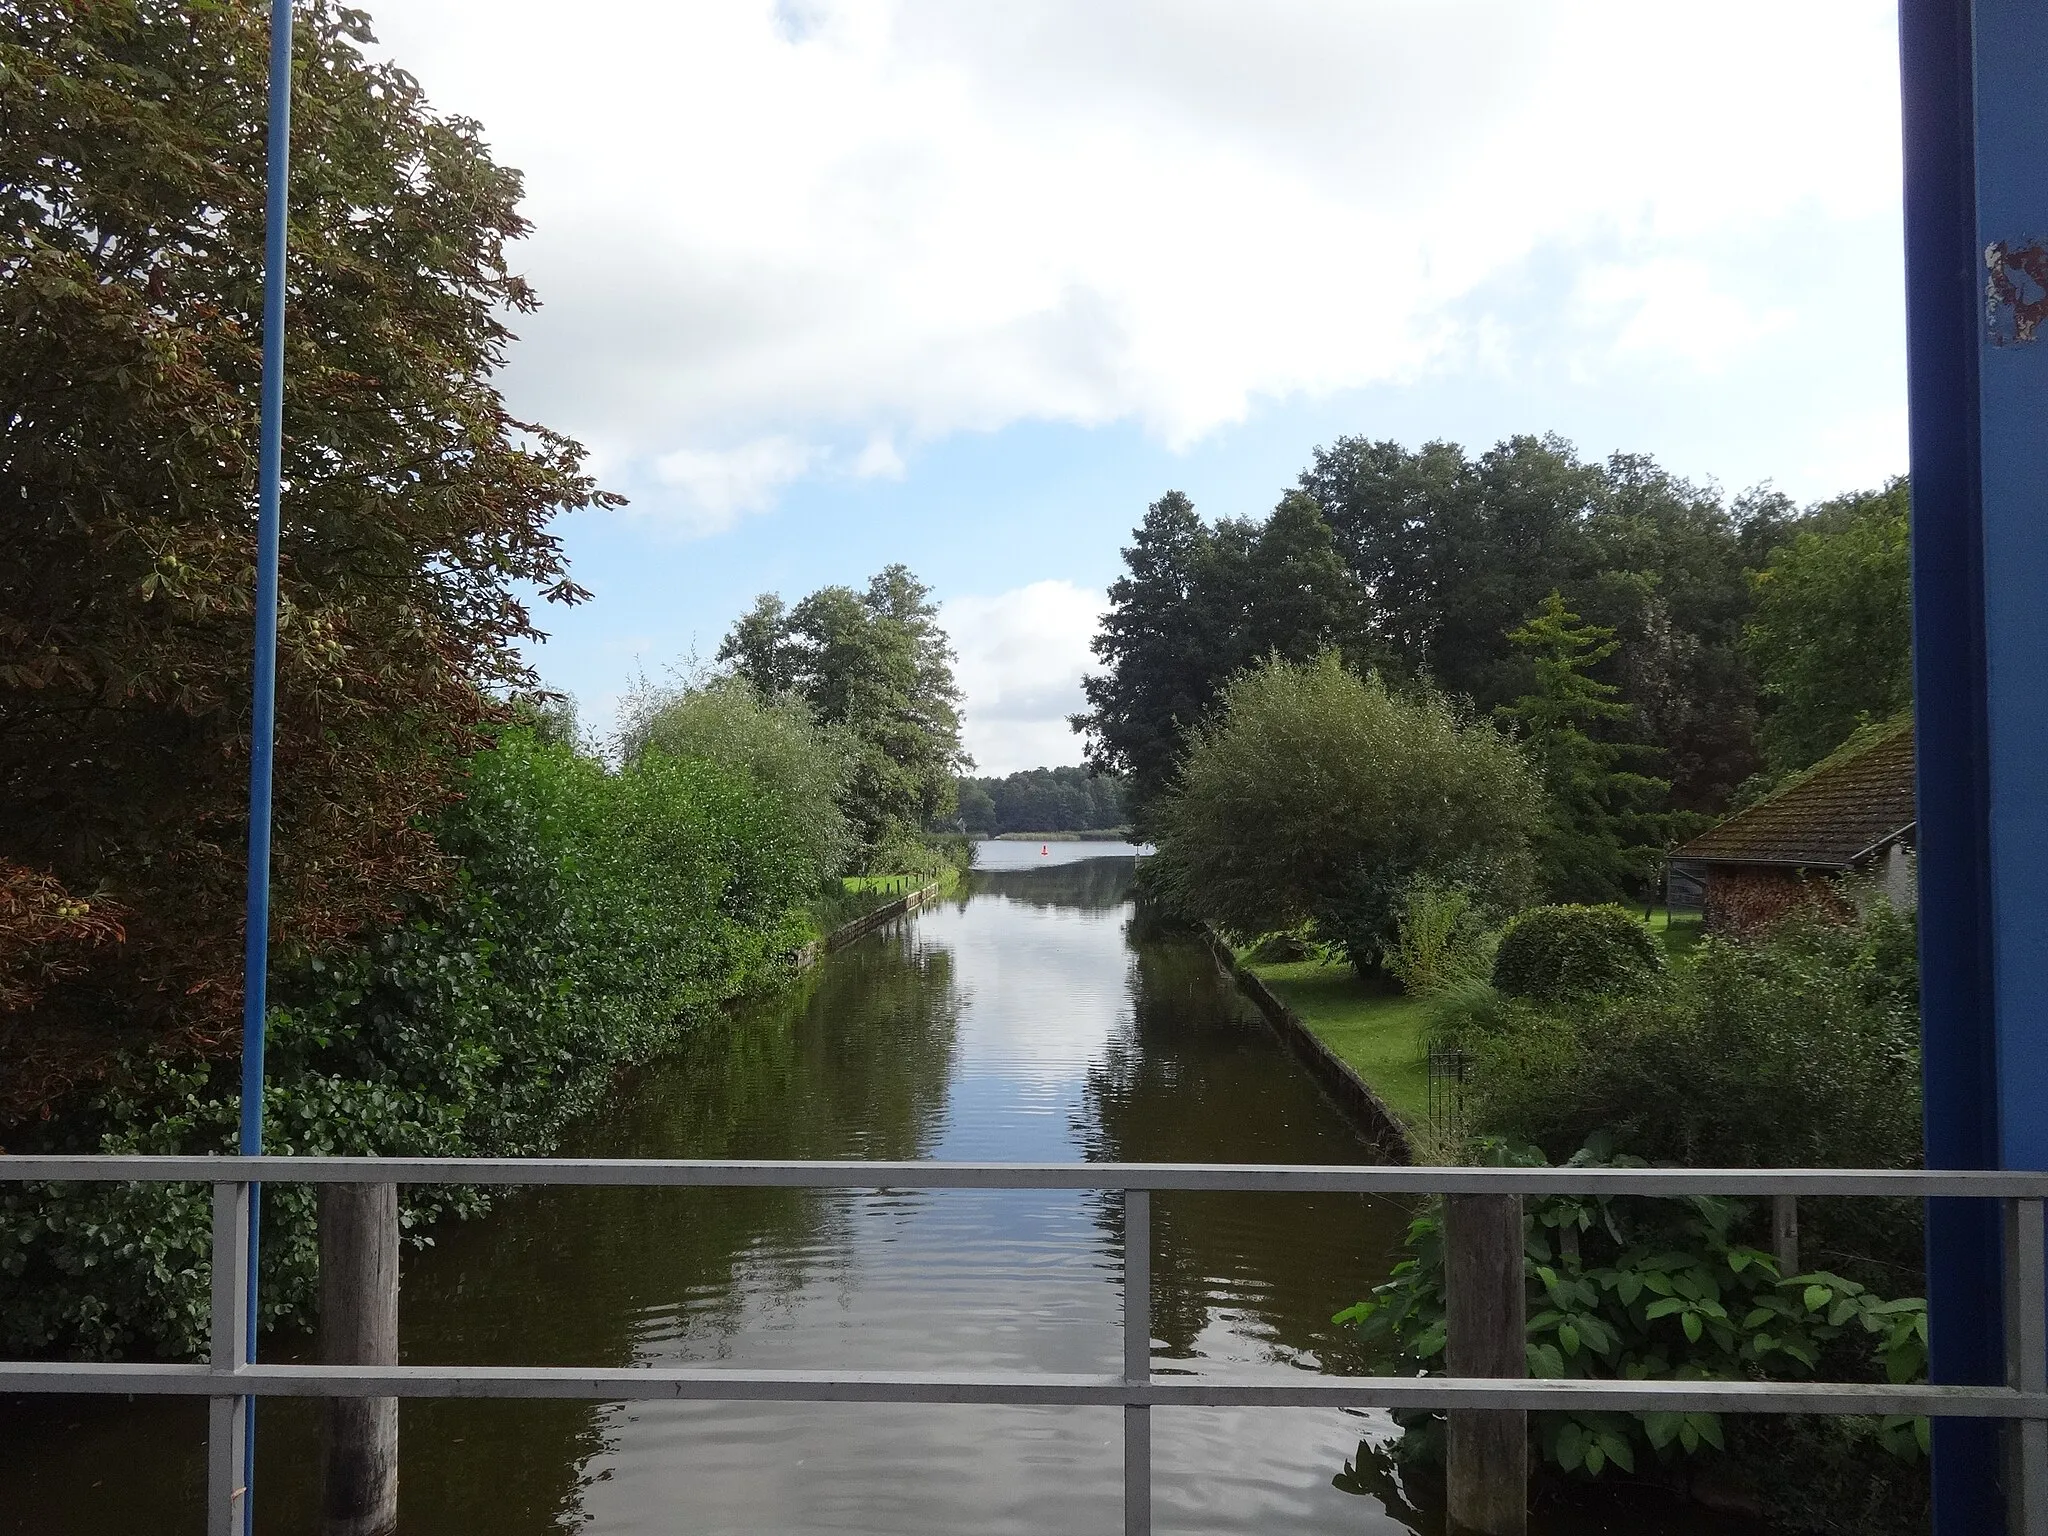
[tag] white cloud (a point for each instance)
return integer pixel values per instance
(1671, 308)
(882, 222)
(1021, 656)
(718, 486)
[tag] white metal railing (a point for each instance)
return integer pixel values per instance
(230, 1381)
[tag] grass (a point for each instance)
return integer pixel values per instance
(1380, 1034)
(888, 885)
(1679, 933)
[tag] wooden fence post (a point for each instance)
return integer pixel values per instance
(1487, 1465)
(359, 1326)
(1785, 1233)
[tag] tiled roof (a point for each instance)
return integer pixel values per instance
(1851, 804)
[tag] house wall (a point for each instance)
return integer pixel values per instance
(1743, 899)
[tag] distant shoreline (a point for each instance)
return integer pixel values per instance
(1100, 835)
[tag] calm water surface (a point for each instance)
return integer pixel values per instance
(1030, 1017)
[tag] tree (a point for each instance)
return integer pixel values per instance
(773, 742)
(1314, 794)
(1603, 833)
(1831, 640)
(759, 647)
(1456, 551)
(416, 511)
(1197, 605)
(876, 664)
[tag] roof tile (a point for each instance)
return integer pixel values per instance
(1848, 806)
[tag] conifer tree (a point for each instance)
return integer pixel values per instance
(1605, 829)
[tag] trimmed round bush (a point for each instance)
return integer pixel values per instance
(1556, 954)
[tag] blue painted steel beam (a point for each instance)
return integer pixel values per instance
(263, 700)
(1975, 98)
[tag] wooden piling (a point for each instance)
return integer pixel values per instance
(359, 1326)
(1785, 1233)
(1487, 1465)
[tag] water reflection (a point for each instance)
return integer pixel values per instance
(1026, 1019)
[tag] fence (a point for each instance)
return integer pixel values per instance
(1450, 1071)
(231, 1382)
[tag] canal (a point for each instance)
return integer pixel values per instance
(1031, 1016)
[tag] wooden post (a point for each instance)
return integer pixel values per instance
(1486, 1334)
(359, 1326)
(1785, 1234)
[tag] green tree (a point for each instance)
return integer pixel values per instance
(1314, 794)
(416, 515)
(772, 741)
(1603, 831)
(1198, 604)
(877, 665)
(1457, 550)
(1831, 640)
(759, 647)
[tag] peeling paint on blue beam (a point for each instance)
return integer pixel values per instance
(1975, 80)
(2012, 224)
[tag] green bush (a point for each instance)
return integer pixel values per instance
(1655, 1290)
(1564, 954)
(1801, 1050)
(1314, 793)
(594, 915)
(774, 741)
(1439, 938)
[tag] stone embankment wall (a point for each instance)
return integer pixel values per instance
(845, 934)
(1351, 1093)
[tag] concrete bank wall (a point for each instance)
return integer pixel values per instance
(846, 933)
(1351, 1093)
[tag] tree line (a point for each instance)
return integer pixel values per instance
(1664, 651)
(1042, 800)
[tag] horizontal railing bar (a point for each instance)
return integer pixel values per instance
(1303, 1179)
(722, 1384)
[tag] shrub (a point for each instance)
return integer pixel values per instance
(803, 765)
(1439, 938)
(595, 915)
(1798, 1051)
(1568, 953)
(1802, 1050)
(1315, 794)
(1654, 1290)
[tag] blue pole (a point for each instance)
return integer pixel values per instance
(1975, 83)
(263, 704)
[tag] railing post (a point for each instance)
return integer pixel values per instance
(1486, 1334)
(1785, 1233)
(227, 1472)
(2026, 1365)
(359, 1326)
(1137, 1360)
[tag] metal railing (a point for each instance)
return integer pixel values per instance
(230, 1381)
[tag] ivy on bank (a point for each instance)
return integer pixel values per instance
(596, 914)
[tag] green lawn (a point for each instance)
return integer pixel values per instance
(1379, 1033)
(1679, 935)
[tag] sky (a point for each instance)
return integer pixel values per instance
(828, 284)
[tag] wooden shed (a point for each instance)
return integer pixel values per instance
(1842, 832)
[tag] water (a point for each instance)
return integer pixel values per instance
(1028, 1018)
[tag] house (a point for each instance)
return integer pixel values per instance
(1833, 838)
